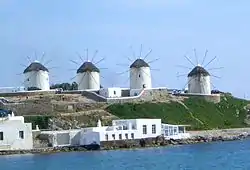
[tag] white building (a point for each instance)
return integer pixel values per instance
(140, 75)
(36, 76)
(88, 77)
(120, 130)
(199, 81)
(14, 133)
(111, 92)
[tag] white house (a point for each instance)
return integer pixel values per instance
(111, 92)
(88, 77)
(119, 130)
(14, 133)
(199, 81)
(140, 75)
(36, 76)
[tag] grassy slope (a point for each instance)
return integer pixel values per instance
(198, 113)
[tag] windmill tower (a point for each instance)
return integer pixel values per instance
(36, 76)
(199, 79)
(88, 75)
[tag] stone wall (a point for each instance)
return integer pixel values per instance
(215, 98)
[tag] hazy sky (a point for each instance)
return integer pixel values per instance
(171, 28)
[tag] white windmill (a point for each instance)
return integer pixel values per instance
(88, 75)
(199, 79)
(140, 72)
(36, 76)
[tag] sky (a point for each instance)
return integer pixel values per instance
(171, 28)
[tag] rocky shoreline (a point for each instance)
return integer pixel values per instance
(201, 137)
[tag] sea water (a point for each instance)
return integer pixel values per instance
(207, 156)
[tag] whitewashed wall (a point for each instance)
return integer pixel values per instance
(39, 79)
(88, 81)
(139, 77)
(112, 92)
(199, 84)
(11, 139)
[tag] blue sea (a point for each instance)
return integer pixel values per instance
(208, 156)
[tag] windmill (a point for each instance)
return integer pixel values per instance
(140, 71)
(36, 75)
(88, 75)
(199, 79)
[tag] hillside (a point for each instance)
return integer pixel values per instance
(65, 111)
(200, 114)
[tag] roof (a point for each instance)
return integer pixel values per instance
(138, 63)
(87, 66)
(35, 66)
(198, 70)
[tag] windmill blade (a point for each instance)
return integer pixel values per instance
(153, 69)
(47, 62)
(93, 78)
(148, 75)
(122, 65)
(197, 62)
(133, 52)
(73, 78)
(36, 56)
(79, 56)
(99, 61)
(215, 68)
(216, 76)
(210, 61)
(189, 61)
(96, 51)
(42, 58)
(18, 74)
(52, 68)
(123, 72)
(74, 62)
(72, 69)
(140, 51)
(147, 54)
(87, 54)
(204, 58)
(181, 75)
(82, 79)
(29, 59)
(183, 67)
(187, 83)
(23, 65)
(213, 85)
(103, 68)
(152, 61)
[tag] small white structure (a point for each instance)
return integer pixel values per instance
(174, 131)
(88, 77)
(140, 75)
(135, 92)
(14, 133)
(199, 81)
(36, 76)
(111, 92)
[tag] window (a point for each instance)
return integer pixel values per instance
(153, 129)
(107, 137)
(28, 79)
(21, 134)
(120, 136)
(113, 136)
(125, 128)
(132, 136)
(144, 129)
(1, 135)
(126, 136)
(114, 92)
(139, 75)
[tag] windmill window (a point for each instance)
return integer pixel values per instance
(21, 134)
(114, 92)
(28, 79)
(139, 75)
